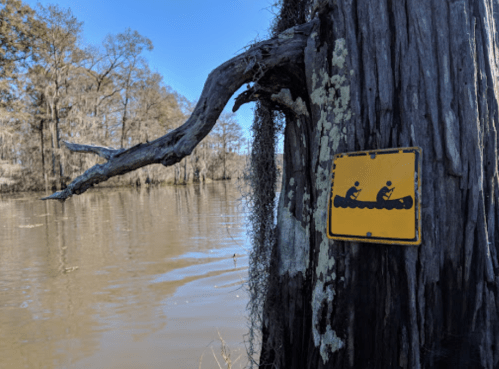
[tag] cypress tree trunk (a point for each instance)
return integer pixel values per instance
(42, 151)
(387, 74)
(359, 75)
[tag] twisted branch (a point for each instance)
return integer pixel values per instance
(221, 84)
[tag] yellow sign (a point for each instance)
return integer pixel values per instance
(376, 197)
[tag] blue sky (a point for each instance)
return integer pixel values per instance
(190, 37)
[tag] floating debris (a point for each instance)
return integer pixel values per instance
(70, 269)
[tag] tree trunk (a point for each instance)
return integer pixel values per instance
(364, 75)
(388, 74)
(42, 150)
(186, 173)
(124, 119)
(53, 143)
(176, 174)
(224, 161)
(123, 122)
(57, 165)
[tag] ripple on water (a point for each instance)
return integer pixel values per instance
(152, 283)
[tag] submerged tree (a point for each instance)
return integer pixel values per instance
(355, 75)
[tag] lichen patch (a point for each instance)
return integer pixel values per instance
(322, 306)
(284, 97)
(340, 53)
(332, 95)
(293, 244)
(336, 136)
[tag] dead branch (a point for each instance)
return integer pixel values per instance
(253, 94)
(221, 84)
(105, 152)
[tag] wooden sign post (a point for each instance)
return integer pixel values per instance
(376, 197)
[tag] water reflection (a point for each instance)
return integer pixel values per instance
(122, 278)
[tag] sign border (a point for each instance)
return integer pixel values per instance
(416, 241)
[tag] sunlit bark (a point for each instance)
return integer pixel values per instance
(381, 75)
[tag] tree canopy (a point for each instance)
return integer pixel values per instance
(55, 88)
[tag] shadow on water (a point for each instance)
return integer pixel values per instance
(122, 278)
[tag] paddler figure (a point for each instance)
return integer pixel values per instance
(385, 193)
(353, 192)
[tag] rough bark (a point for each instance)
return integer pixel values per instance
(379, 75)
(371, 75)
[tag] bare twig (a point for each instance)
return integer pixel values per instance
(225, 352)
(215, 356)
(105, 152)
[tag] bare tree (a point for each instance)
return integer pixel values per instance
(51, 89)
(228, 139)
(356, 75)
(59, 55)
(125, 50)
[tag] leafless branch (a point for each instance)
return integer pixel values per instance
(105, 152)
(221, 84)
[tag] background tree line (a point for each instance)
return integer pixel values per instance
(54, 88)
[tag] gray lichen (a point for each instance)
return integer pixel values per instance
(332, 95)
(340, 53)
(293, 244)
(285, 98)
(322, 297)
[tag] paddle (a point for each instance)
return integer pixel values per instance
(391, 191)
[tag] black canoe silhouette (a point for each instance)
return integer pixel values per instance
(402, 203)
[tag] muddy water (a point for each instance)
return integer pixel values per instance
(123, 278)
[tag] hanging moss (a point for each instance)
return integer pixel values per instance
(263, 179)
(263, 176)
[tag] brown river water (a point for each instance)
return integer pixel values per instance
(124, 278)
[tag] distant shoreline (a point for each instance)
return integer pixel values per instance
(125, 186)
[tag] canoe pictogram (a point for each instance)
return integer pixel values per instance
(382, 199)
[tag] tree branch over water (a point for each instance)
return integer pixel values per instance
(222, 83)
